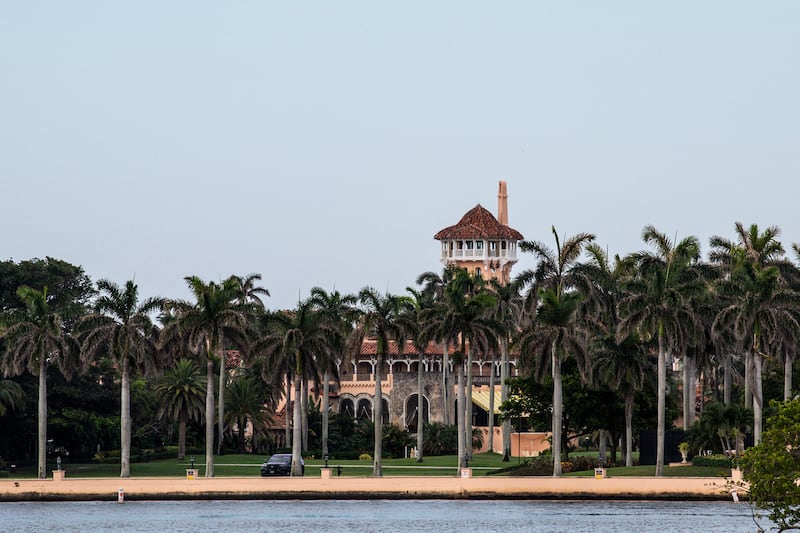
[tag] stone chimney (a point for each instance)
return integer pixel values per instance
(502, 204)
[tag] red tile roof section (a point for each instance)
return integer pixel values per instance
(370, 347)
(478, 223)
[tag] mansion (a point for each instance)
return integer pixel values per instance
(484, 245)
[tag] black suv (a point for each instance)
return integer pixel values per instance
(280, 464)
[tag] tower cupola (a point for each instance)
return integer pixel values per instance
(481, 243)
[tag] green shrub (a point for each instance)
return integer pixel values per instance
(345, 455)
(712, 460)
(395, 441)
(365, 457)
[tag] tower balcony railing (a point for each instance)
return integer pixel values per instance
(479, 254)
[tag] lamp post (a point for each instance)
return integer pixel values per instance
(192, 460)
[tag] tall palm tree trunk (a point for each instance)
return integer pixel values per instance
(557, 410)
(629, 428)
(693, 390)
(788, 363)
(182, 436)
(462, 454)
(420, 409)
(661, 394)
(210, 416)
(223, 378)
(445, 389)
(726, 379)
(125, 420)
(468, 405)
(748, 380)
(688, 393)
(504, 398)
(377, 410)
(326, 387)
(602, 442)
(288, 419)
(491, 404)
(42, 418)
(297, 426)
(758, 398)
(304, 415)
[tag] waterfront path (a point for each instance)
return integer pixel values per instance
(402, 487)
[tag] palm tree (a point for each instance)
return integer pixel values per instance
(463, 319)
(658, 304)
(202, 327)
(121, 329)
(417, 326)
(507, 312)
(380, 319)
(244, 298)
(180, 397)
(249, 293)
(433, 286)
(340, 312)
(553, 326)
(246, 400)
(760, 309)
(299, 339)
(550, 336)
(622, 366)
(759, 248)
(33, 341)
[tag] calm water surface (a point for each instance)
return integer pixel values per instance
(377, 516)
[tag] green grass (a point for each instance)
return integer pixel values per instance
(242, 465)
(669, 471)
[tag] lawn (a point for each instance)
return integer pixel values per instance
(236, 465)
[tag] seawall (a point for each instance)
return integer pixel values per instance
(241, 488)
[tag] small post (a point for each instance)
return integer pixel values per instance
(192, 460)
(325, 472)
(121, 495)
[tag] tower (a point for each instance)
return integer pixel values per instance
(481, 243)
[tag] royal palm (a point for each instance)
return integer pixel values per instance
(551, 332)
(121, 329)
(300, 340)
(658, 303)
(35, 340)
(380, 320)
(201, 327)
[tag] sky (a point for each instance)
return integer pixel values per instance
(324, 143)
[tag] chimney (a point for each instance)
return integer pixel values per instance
(502, 204)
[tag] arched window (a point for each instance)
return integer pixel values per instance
(412, 413)
(346, 407)
(364, 409)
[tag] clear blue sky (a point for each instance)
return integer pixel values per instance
(324, 143)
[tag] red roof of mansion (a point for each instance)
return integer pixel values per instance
(478, 223)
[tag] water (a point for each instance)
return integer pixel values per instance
(380, 516)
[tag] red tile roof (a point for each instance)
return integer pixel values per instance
(478, 223)
(370, 347)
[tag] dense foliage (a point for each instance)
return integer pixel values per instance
(773, 467)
